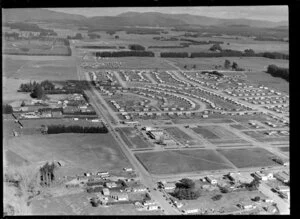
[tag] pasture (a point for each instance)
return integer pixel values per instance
(80, 152)
(248, 157)
(45, 68)
(175, 162)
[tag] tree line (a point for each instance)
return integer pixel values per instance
(56, 129)
(278, 72)
(29, 87)
(136, 47)
(174, 54)
(125, 54)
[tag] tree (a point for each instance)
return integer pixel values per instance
(37, 92)
(227, 64)
(7, 109)
(249, 52)
(234, 66)
(78, 36)
(256, 198)
(215, 47)
(185, 66)
(136, 47)
(23, 103)
(186, 183)
(194, 66)
(117, 37)
(217, 197)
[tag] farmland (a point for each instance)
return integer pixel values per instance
(249, 157)
(171, 162)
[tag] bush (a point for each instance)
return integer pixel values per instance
(136, 47)
(7, 109)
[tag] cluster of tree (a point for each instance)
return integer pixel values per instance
(68, 52)
(80, 113)
(29, 87)
(7, 109)
(125, 54)
(234, 66)
(78, 36)
(278, 72)
(94, 36)
(274, 55)
(253, 185)
(217, 197)
(174, 54)
(56, 129)
(97, 47)
(185, 190)
(47, 174)
(38, 92)
(136, 47)
(213, 73)
(31, 27)
(95, 183)
(196, 42)
(165, 39)
(166, 47)
(144, 31)
(215, 47)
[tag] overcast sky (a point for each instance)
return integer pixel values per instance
(270, 13)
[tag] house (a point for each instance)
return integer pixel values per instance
(190, 211)
(283, 188)
(283, 177)
(87, 174)
(178, 204)
(260, 176)
(246, 206)
(169, 186)
(147, 203)
(56, 112)
(139, 189)
(127, 169)
(211, 180)
(110, 184)
(270, 208)
(152, 207)
(105, 191)
(120, 196)
(105, 173)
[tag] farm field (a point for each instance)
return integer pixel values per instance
(80, 152)
(252, 63)
(268, 81)
(133, 139)
(40, 69)
(175, 162)
(285, 149)
(248, 157)
(79, 204)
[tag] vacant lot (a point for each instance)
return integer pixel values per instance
(181, 136)
(172, 162)
(80, 152)
(249, 157)
(79, 204)
(39, 68)
(260, 136)
(133, 139)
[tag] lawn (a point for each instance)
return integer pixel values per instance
(248, 157)
(175, 162)
(80, 152)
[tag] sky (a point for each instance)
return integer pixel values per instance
(269, 13)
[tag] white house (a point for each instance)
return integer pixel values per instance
(211, 180)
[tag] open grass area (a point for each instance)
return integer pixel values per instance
(181, 136)
(9, 89)
(248, 157)
(36, 68)
(175, 162)
(79, 204)
(133, 139)
(80, 152)
(269, 81)
(260, 136)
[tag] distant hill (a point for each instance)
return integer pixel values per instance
(36, 14)
(153, 19)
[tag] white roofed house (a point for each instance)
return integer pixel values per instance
(211, 180)
(120, 196)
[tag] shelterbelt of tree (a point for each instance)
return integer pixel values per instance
(278, 72)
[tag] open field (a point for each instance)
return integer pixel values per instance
(253, 63)
(40, 69)
(14, 159)
(248, 157)
(79, 204)
(260, 136)
(80, 152)
(181, 136)
(9, 89)
(269, 81)
(133, 139)
(285, 149)
(174, 162)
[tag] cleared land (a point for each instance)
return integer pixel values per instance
(33, 68)
(133, 139)
(248, 157)
(260, 136)
(174, 162)
(80, 152)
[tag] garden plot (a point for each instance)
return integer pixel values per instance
(133, 139)
(249, 157)
(218, 135)
(175, 162)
